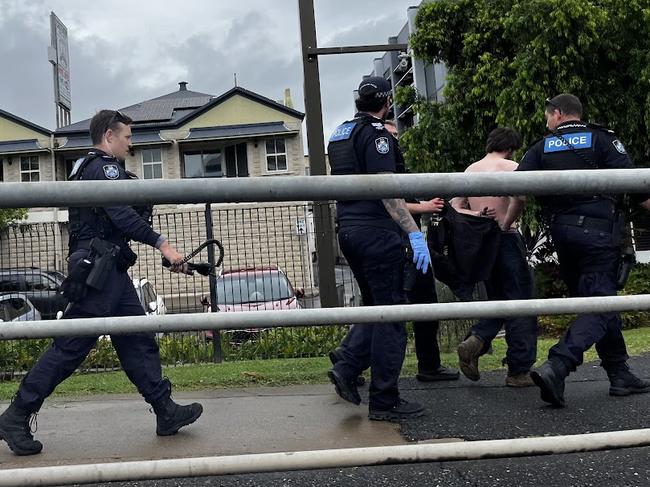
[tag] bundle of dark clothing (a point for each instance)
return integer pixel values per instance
(463, 249)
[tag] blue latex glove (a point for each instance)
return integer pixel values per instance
(421, 256)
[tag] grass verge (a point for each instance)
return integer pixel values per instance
(279, 372)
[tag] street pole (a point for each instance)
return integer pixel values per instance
(323, 221)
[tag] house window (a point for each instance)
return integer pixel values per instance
(276, 155)
(152, 164)
(236, 161)
(29, 169)
(206, 164)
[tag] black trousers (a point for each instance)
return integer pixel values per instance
(376, 258)
(138, 352)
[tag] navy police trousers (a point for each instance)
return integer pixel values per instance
(376, 258)
(138, 353)
(589, 262)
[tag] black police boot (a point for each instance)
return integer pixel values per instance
(402, 410)
(336, 356)
(550, 379)
(623, 382)
(170, 417)
(346, 389)
(439, 374)
(15, 429)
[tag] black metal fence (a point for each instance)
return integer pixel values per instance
(269, 263)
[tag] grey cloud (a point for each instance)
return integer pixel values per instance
(261, 46)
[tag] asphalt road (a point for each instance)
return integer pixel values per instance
(290, 419)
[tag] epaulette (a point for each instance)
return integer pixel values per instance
(602, 128)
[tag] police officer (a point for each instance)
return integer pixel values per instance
(99, 255)
(370, 237)
(586, 234)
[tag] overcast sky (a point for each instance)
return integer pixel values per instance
(123, 52)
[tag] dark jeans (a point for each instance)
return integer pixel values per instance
(376, 258)
(589, 262)
(138, 352)
(511, 280)
(426, 332)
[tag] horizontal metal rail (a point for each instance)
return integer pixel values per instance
(321, 188)
(309, 460)
(325, 316)
(320, 51)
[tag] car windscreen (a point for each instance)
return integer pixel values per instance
(252, 288)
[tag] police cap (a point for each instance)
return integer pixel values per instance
(375, 86)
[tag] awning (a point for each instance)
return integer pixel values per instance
(139, 138)
(19, 146)
(148, 138)
(79, 142)
(238, 131)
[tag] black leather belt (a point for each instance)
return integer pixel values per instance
(600, 224)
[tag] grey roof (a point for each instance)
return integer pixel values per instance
(234, 131)
(17, 146)
(25, 123)
(174, 109)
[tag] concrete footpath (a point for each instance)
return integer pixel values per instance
(121, 428)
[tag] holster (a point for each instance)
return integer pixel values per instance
(105, 255)
(628, 253)
(126, 258)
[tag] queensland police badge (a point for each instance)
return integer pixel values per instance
(382, 145)
(111, 171)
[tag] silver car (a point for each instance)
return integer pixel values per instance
(17, 307)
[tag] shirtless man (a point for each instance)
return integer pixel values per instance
(510, 277)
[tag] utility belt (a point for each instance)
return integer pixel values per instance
(93, 270)
(600, 224)
(387, 224)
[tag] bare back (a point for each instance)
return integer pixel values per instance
(491, 163)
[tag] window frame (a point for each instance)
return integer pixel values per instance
(153, 163)
(275, 155)
(30, 171)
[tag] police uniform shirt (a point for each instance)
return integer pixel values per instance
(593, 148)
(377, 152)
(128, 225)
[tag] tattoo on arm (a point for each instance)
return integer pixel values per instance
(398, 211)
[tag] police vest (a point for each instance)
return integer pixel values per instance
(573, 148)
(341, 149)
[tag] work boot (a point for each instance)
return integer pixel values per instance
(441, 373)
(469, 351)
(346, 389)
(550, 379)
(336, 356)
(402, 410)
(519, 380)
(15, 429)
(623, 382)
(170, 417)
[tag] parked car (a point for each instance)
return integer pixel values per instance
(17, 307)
(151, 301)
(254, 289)
(42, 288)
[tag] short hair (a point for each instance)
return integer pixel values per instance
(369, 104)
(105, 120)
(567, 104)
(503, 139)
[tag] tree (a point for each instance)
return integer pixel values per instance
(10, 215)
(505, 57)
